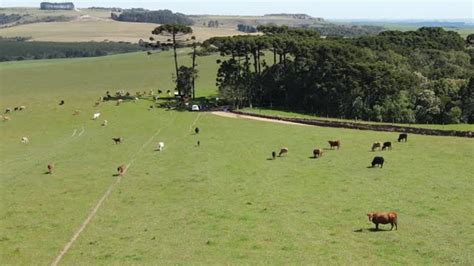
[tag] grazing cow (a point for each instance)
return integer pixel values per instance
(95, 116)
(283, 151)
(387, 145)
(317, 153)
(196, 130)
(335, 143)
(121, 170)
(117, 140)
(198, 143)
(21, 108)
(61, 102)
(161, 146)
(274, 155)
(25, 140)
(383, 218)
(50, 168)
(6, 118)
(104, 123)
(16, 108)
(378, 160)
(8, 110)
(159, 92)
(76, 112)
(376, 145)
(403, 136)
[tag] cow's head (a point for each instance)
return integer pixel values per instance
(370, 215)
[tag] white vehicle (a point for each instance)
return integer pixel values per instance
(195, 107)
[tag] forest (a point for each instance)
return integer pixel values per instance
(19, 49)
(158, 16)
(422, 76)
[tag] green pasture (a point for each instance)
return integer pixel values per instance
(224, 202)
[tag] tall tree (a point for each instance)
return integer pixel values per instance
(176, 32)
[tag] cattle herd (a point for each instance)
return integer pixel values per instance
(374, 217)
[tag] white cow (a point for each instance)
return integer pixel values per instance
(161, 146)
(25, 140)
(95, 116)
(104, 123)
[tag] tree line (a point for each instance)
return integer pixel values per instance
(14, 49)
(158, 16)
(422, 76)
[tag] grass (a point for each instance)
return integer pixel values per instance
(221, 203)
(280, 113)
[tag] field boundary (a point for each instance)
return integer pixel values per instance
(361, 126)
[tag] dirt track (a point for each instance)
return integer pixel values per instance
(232, 115)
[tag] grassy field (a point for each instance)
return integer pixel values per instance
(279, 113)
(224, 202)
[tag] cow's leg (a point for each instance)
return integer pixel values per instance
(391, 228)
(377, 227)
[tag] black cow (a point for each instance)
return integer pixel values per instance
(61, 102)
(403, 136)
(378, 160)
(274, 154)
(196, 130)
(387, 145)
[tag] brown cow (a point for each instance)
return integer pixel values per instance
(283, 151)
(335, 143)
(50, 168)
(376, 145)
(121, 170)
(383, 218)
(317, 153)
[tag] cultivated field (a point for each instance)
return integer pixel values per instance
(224, 202)
(95, 25)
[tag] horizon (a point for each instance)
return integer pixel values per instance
(336, 10)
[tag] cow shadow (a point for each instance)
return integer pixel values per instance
(371, 230)
(270, 159)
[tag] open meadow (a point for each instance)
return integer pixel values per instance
(224, 202)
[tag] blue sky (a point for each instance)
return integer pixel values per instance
(335, 9)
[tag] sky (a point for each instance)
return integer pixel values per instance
(329, 9)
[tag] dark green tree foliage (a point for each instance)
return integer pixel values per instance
(158, 16)
(6, 19)
(18, 49)
(184, 82)
(246, 28)
(175, 31)
(418, 76)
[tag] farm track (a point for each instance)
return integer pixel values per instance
(109, 190)
(348, 125)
